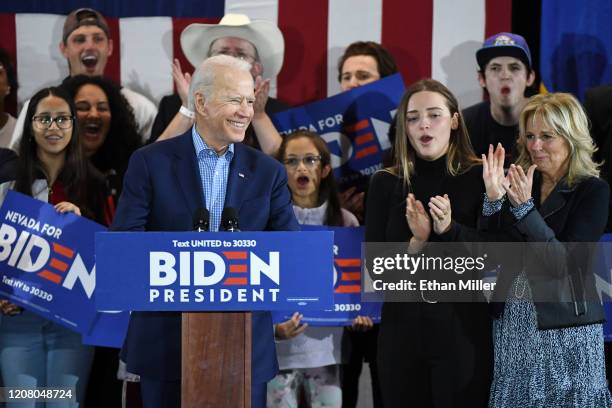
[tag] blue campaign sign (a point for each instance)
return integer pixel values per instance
(191, 271)
(355, 125)
(47, 261)
(347, 282)
(108, 329)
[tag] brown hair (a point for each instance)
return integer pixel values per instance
(328, 191)
(384, 59)
(460, 157)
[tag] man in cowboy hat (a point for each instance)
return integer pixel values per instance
(258, 42)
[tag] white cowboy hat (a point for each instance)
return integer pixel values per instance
(264, 35)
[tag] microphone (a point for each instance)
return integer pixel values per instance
(201, 221)
(229, 220)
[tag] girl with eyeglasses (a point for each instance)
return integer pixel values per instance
(35, 352)
(309, 358)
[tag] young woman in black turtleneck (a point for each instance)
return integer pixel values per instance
(430, 354)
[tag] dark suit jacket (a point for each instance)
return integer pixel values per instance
(170, 105)
(575, 214)
(162, 190)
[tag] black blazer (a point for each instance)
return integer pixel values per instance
(573, 214)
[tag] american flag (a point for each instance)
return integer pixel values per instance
(428, 38)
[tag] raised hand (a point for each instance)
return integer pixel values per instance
(262, 89)
(417, 218)
(518, 185)
(493, 172)
(182, 80)
(440, 210)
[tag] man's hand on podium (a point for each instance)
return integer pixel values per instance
(290, 328)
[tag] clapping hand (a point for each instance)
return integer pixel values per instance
(182, 80)
(493, 172)
(440, 210)
(417, 219)
(262, 90)
(518, 185)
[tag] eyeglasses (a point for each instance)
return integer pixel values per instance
(45, 122)
(309, 161)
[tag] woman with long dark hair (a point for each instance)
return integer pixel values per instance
(107, 128)
(108, 136)
(35, 352)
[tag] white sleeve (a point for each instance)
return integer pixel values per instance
(16, 138)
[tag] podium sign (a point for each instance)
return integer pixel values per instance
(214, 271)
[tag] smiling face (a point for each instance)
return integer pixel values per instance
(304, 170)
(506, 79)
(51, 140)
(224, 117)
(93, 113)
(357, 71)
(429, 124)
(87, 50)
(546, 148)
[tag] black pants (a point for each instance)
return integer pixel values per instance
(360, 347)
(435, 355)
(104, 389)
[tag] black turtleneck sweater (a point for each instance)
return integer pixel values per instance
(431, 354)
(386, 215)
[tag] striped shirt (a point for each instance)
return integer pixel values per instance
(214, 170)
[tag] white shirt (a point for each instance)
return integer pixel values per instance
(6, 133)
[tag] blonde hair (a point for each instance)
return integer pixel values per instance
(460, 156)
(565, 116)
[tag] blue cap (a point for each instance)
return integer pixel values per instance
(504, 45)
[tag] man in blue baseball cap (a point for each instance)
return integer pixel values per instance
(505, 71)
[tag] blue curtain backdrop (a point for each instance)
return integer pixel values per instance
(576, 45)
